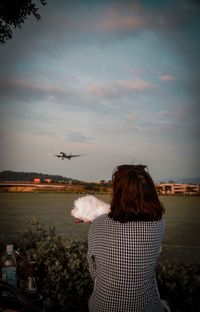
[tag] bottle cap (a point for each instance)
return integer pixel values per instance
(9, 248)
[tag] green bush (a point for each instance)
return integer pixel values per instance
(61, 268)
(63, 279)
(179, 284)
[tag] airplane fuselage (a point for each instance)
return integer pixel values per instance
(64, 155)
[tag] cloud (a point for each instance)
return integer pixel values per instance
(118, 19)
(21, 89)
(48, 97)
(128, 17)
(164, 115)
(119, 87)
(78, 137)
(167, 77)
(170, 125)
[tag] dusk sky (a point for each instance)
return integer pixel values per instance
(117, 81)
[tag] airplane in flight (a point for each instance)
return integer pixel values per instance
(63, 155)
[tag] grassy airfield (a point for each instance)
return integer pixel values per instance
(182, 216)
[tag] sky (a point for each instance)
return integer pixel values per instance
(114, 81)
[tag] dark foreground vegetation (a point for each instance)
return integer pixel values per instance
(64, 281)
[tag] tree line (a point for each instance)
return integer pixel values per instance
(8, 175)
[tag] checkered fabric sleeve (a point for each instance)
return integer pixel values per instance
(91, 265)
(122, 259)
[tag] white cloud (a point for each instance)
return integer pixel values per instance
(164, 115)
(167, 77)
(119, 87)
(119, 19)
(79, 137)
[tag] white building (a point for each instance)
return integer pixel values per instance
(177, 188)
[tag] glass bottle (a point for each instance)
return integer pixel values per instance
(31, 286)
(9, 266)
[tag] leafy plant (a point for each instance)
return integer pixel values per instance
(63, 278)
(179, 284)
(61, 267)
(13, 13)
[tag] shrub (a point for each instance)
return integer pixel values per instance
(63, 279)
(179, 284)
(61, 268)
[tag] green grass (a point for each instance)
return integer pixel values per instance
(182, 216)
(181, 242)
(50, 209)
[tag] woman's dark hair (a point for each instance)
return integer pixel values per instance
(134, 196)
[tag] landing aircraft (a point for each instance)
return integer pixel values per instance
(63, 155)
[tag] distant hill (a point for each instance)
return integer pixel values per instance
(9, 175)
(195, 180)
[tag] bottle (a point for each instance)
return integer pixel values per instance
(31, 286)
(9, 267)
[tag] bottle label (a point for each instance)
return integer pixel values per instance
(9, 275)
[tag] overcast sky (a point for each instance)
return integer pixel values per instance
(117, 81)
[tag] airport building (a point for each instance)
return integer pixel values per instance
(178, 188)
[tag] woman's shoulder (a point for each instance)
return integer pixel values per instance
(100, 218)
(152, 224)
(100, 221)
(97, 224)
(154, 227)
(104, 219)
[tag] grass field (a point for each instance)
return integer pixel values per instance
(181, 242)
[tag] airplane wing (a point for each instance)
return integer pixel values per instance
(70, 156)
(55, 155)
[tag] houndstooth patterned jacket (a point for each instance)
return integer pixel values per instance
(122, 259)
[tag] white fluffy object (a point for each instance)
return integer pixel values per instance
(89, 207)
